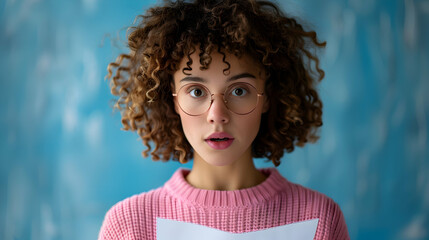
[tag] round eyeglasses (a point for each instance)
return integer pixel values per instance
(195, 99)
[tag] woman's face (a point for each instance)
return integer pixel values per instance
(219, 136)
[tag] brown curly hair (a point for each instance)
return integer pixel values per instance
(166, 34)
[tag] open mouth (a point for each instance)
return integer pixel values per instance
(219, 139)
(219, 143)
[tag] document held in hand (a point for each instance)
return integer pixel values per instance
(171, 229)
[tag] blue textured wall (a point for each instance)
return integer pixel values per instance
(65, 161)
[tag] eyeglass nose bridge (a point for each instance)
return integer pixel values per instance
(223, 100)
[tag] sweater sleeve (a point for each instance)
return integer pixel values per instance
(123, 221)
(338, 225)
(111, 227)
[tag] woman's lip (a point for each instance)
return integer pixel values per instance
(220, 145)
(219, 135)
(223, 140)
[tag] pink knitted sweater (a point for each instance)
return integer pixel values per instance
(275, 202)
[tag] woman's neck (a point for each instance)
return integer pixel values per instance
(239, 175)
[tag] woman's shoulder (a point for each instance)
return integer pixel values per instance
(306, 197)
(301, 203)
(309, 201)
(295, 192)
(306, 194)
(127, 218)
(136, 204)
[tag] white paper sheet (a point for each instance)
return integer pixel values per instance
(171, 229)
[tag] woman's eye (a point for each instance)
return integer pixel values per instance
(239, 92)
(196, 92)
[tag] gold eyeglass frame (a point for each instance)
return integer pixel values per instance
(223, 94)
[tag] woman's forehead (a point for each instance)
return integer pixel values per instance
(225, 63)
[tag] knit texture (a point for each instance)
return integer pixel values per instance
(274, 202)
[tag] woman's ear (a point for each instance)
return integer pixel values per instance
(265, 75)
(173, 90)
(266, 106)
(176, 105)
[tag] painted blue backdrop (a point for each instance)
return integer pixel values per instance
(65, 161)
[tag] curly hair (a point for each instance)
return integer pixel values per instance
(166, 34)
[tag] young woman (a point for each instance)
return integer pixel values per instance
(221, 82)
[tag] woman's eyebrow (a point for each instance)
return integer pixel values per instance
(232, 78)
(193, 79)
(241, 75)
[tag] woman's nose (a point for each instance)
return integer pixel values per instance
(218, 112)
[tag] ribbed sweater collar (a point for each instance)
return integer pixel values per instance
(179, 188)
